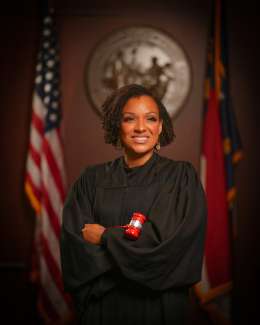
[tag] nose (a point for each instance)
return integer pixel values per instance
(140, 125)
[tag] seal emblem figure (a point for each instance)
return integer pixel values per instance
(142, 55)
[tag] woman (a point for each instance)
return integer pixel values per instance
(147, 280)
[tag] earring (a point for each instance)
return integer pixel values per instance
(158, 146)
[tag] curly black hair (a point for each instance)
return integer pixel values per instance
(112, 113)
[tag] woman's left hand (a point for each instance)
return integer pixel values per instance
(92, 233)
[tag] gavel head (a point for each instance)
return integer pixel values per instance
(134, 228)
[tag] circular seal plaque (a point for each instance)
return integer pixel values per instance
(141, 55)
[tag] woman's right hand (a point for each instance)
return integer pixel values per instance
(92, 233)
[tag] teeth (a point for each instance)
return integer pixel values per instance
(140, 139)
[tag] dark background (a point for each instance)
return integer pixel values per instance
(81, 24)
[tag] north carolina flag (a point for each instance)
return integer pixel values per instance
(220, 151)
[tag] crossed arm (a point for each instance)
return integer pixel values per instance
(92, 233)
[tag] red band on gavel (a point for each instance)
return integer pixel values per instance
(134, 228)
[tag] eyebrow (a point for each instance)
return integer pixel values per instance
(131, 113)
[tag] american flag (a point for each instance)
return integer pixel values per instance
(221, 150)
(45, 179)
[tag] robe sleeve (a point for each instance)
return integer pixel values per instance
(85, 267)
(169, 252)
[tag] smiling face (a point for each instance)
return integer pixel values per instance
(140, 126)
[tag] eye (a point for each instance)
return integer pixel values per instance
(127, 119)
(152, 118)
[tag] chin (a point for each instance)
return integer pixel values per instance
(140, 149)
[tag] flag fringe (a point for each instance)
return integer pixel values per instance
(211, 294)
(32, 198)
(237, 156)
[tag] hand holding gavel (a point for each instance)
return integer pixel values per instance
(92, 232)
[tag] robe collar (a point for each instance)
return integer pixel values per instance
(118, 174)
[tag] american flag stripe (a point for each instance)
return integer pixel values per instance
(55, 197)
(34, 188)
(56, 148)
(54, 170)
(39, 110)
(52, 263)
(39, 128)
(48, 229)
(53, 267)
(35, 156)
(35, 173)
(36, 137)
(44, 304)
(45, 179)
(50, 214)
(51, 290)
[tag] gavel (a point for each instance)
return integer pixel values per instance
(134, 228)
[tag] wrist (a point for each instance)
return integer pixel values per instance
(103, 238)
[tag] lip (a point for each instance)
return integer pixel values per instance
(140, 139)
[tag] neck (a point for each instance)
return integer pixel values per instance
(135, 160)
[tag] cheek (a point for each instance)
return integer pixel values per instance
(125, 129)
(156, 129)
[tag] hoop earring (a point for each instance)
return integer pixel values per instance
(158, 146)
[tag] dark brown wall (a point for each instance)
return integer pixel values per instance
(81, 124)
(19, 37)
(244, 71)
(81, 27)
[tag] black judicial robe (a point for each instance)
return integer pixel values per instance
(145, 281)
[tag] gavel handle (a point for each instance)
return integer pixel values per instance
(126, 226)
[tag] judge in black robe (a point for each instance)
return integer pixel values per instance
(115, 280)
(145, 281)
